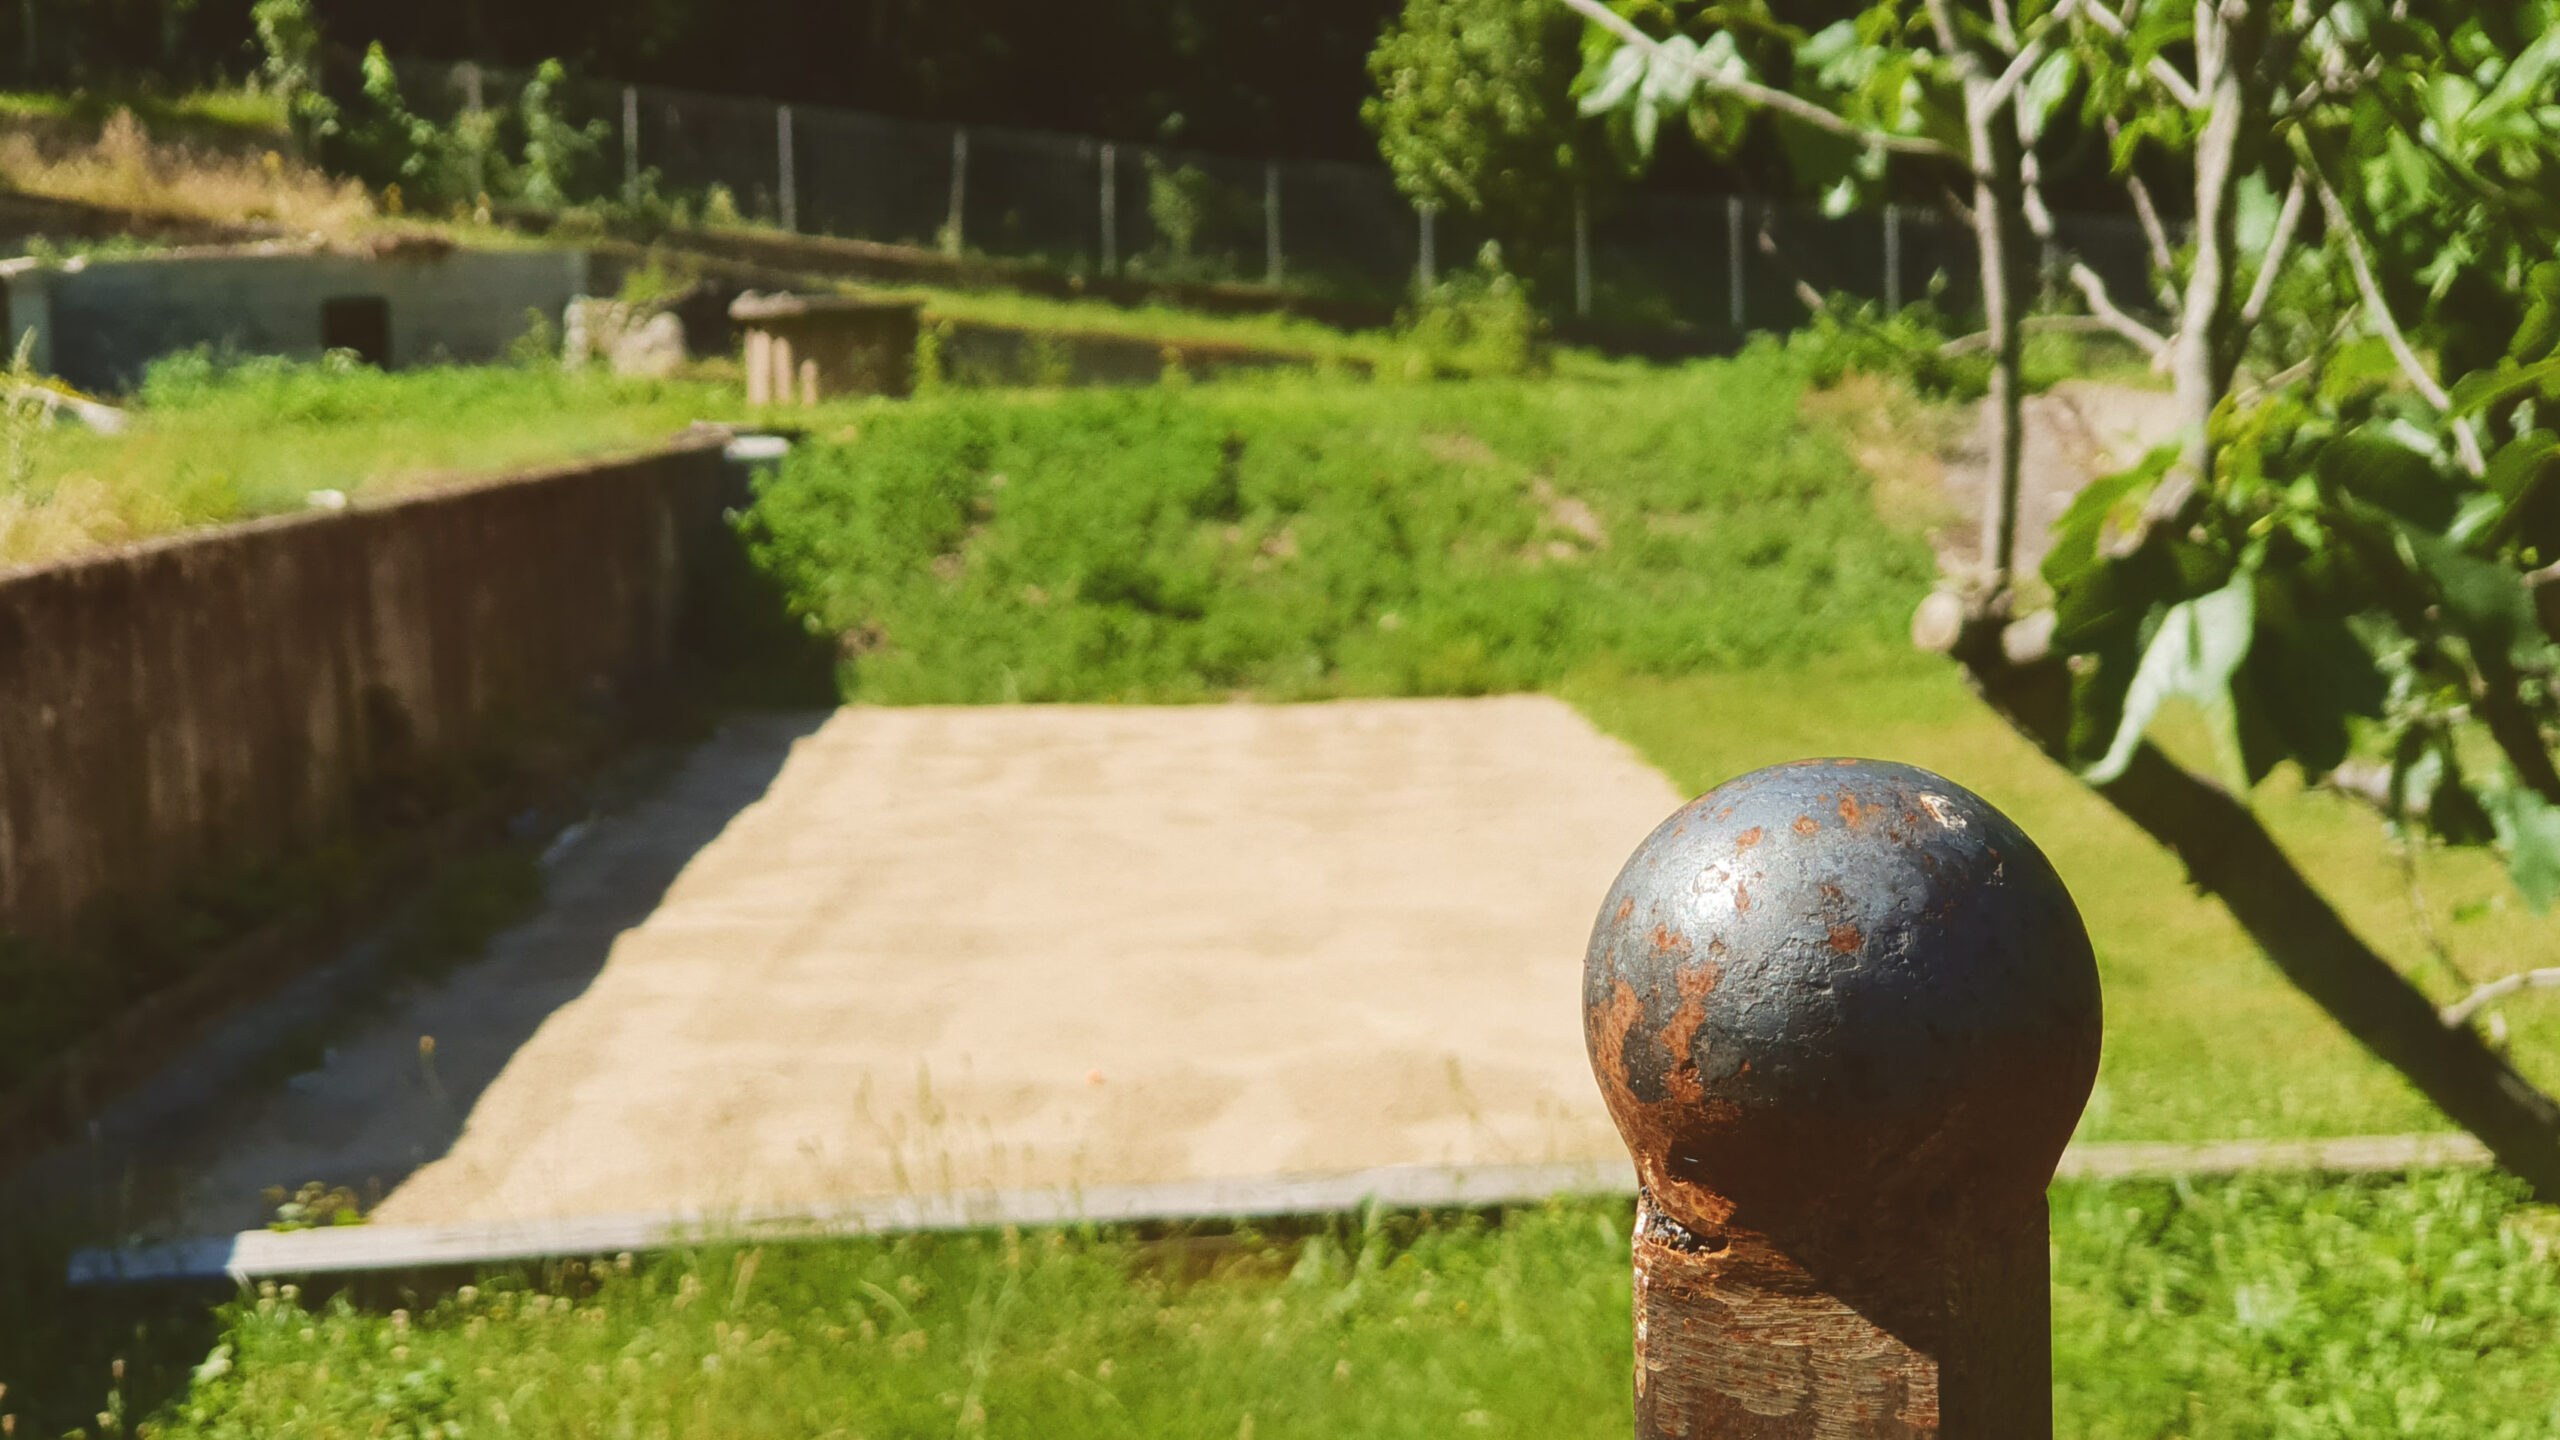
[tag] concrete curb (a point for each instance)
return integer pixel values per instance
(355, 1249)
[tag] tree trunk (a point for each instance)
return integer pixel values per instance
(1998, 196)
(2230, 855)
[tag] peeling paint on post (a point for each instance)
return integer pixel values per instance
(1846, 1016)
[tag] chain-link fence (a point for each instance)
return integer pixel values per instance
(1711, 265)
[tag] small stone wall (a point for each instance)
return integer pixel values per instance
(205, 703)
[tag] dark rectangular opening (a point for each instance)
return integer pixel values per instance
(361, 323)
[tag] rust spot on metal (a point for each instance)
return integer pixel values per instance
(1679, 1038)
(1807, 825)
(1851, 812)
(1626, 907)
(1619, 1023)
(1846, 939)
(1741, 897)
(1669, 941)
(1747, 839)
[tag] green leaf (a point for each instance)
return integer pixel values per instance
(2529, 833)
(2300, 685)
(2199, 645)
(2520, 463)
(2487, 601)
(2046, 88)
(2375, 464)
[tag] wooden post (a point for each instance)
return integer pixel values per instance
(1427, 266)
(630, 144)
(952, 234)
(1733, 262)
(1271, 261)
(1893, 259)
(1581, 255)
(759, 367)
(1846, 1016)
(784, 162)
(1110, 209)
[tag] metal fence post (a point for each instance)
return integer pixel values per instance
(467, 75)
(1271, 261)
(951, 231)
(1733, 260)
(1427, 265)
(1893, 259)
(1110, 208)
(1581, 255)
(790, 192)
(1846, 1016)
(630, 144)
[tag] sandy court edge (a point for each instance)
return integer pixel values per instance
(1024, 947)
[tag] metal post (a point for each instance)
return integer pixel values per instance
(1893, 259)
(790, 192)
(473, 101)
(1110, 209)
(1733, 259)
(951, 231)
(1846, 1016)
(630, 144)
(1271, 262)
(1427, 270)
(1581, 255)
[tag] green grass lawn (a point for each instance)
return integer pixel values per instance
(2426, 1307)
(211, 444)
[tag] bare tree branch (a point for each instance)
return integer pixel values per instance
(1795, 107)
(2164, 256)
(2378, 309)
(2459, 1013)
(2094, 289)
(2162, 73)
(2032, 55)
(2033, 325)
(2287, 220)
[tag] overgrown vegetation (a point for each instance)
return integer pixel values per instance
(2426, 1307)
(1304, 538)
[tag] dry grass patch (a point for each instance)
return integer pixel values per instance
(125, 168)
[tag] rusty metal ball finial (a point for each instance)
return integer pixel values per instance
(1846, 1016)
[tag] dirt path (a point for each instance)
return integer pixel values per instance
(1011, 947)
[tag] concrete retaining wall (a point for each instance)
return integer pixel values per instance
(197, 705)
(100, 323)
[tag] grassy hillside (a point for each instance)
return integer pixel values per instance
(1307, 538)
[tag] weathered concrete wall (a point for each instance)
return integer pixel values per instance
(102, 323)
(196, 705)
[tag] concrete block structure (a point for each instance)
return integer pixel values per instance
(99, 323)
(805, 348)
